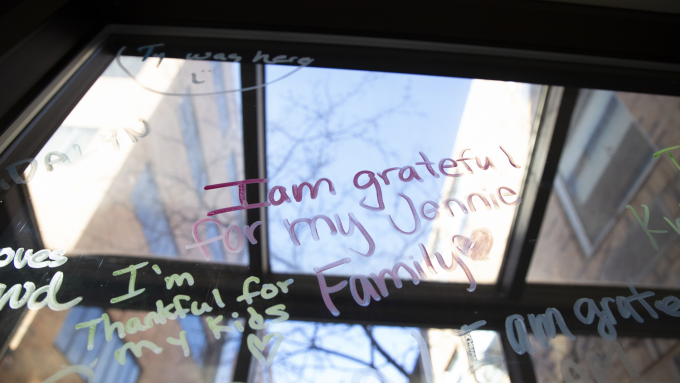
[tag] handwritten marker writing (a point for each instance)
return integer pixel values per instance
(77, 369)
(149, 49)
(425, 356)
(468, 329)
(247, 231)
(203, 243)
(132, 292)
(667, 151)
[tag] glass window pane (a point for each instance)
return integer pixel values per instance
(124, 173)
(335, 124)
(612, 214)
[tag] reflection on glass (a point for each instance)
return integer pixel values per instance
(593, 359)
(456, 359)
(73, 345)
(124, 173)
(606, 156)
(323, 352)
(52, 341)
(613, 212)
(333, 124)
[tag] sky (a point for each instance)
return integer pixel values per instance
(333, 123)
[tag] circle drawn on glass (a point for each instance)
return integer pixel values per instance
(120, 64)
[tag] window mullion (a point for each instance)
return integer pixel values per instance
(254, 152)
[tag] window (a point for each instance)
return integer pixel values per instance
(231, 207)
(146, 183)
(606, 158)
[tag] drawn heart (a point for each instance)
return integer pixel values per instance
(256, 347)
